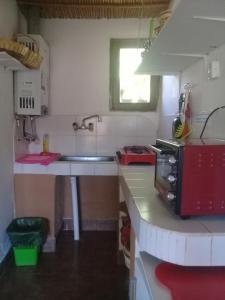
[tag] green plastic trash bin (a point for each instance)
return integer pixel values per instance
(27, 235)
(25, 256)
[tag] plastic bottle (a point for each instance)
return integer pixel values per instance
(45, 143)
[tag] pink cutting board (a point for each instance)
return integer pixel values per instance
(42, 158)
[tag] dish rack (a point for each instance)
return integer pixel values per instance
(28, 56)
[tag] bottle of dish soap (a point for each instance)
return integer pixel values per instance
(45, 143)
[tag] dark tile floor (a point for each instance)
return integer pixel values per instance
(78, 270)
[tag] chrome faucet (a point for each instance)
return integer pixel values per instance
(83, 125)
(90, 117)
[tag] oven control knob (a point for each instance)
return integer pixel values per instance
(171, 178)
(170, 196)
(172, 160)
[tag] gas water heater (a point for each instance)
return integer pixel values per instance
(31, 87)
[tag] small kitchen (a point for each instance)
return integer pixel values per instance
(90, 189)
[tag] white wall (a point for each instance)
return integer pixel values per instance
(206, 95)
(79, 86)
(80, 61)
(168, 105)
(8, 26)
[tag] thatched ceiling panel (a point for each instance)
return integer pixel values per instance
(96, 9)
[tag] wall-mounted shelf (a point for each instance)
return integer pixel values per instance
(11, 63)
(195, 28)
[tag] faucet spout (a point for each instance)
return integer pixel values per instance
(90, 117)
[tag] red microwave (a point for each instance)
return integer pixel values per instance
(190, 176)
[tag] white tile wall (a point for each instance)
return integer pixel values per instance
(106, 145)
(86, 144)
(112, 125)
(109, 135)
(20, 148)
(165, 126)
(143, 140)
(59, 125)
(126, 141)
(62, 144)
(146, 126)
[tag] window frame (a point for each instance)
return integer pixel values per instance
(115, 105)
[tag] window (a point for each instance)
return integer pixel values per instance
(130, 91)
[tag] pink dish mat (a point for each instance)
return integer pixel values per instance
(42, 158)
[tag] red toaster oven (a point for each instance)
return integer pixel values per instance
(190, 176)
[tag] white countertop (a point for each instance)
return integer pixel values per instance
(69, 168)
(198, 241)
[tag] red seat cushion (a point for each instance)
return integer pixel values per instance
(192, 283)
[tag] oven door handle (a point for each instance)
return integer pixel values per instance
(160, 151)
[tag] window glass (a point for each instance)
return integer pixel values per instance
(133, 88)
(130, 91)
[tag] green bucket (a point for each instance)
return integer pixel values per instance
(26, 256)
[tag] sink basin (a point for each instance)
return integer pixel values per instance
(87, 158)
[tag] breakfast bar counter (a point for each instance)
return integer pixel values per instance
(198, 241)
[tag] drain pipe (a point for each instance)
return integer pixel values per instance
(33, 20)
